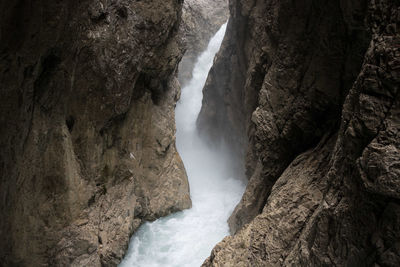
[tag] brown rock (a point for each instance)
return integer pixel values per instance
(88, 91)
(313, 87)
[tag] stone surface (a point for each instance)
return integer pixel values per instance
(311, 88)
(88, 90)
(201, 19)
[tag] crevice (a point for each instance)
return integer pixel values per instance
(70, 122)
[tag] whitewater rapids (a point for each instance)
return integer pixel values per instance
(186, 238)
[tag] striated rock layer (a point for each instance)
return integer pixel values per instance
(312, 89)
(201, 19)
(87, 137)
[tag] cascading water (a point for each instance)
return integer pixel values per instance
(186, 238)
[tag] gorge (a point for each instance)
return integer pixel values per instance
(303, 96)
(186, 238)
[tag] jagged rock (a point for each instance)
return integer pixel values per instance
(312, 88)
(201, 19)
(88, 91)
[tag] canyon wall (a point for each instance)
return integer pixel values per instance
(88, 90)
(311, 88)
(201, 19)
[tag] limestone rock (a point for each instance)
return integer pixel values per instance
(311, 88)
(88, 90)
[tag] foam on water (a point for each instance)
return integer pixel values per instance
(186, 238)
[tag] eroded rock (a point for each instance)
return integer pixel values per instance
(312, 88)
(88, 91)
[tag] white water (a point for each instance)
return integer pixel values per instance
(186, 238)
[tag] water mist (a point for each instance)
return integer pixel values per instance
(186, 238)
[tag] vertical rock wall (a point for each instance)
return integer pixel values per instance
(87, 137)
(312, 88)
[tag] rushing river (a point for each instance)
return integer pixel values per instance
(186, 238)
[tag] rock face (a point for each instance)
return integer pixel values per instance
(201, 19)
(312, 89)
(87, 139)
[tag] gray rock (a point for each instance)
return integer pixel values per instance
(311, 88)
(88, 90)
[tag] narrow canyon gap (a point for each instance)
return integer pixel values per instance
(307, 92)
(186, 238)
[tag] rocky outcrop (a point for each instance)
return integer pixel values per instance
(201, 19)
(311, 87)
(88, 91)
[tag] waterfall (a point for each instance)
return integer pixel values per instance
(186, 238)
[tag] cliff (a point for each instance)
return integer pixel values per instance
(310, 90)
(88, 90)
